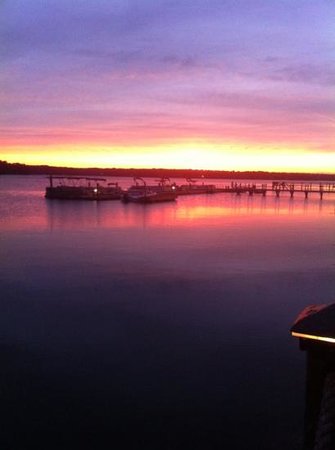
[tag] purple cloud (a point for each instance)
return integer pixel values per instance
(208, 68)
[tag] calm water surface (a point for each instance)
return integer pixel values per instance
(163, 326)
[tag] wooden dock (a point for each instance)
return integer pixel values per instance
(279, 188)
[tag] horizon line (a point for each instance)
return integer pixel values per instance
(164, 168)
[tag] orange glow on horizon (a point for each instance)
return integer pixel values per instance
(183, 155)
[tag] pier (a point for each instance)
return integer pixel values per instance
(279, 188)
(88, 188)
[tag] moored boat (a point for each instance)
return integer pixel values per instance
(191, 188)
(141, 193)
(82, 188)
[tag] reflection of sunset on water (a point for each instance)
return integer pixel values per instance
(222, 210)
(148, 291)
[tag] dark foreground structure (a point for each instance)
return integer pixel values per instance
(315, 328)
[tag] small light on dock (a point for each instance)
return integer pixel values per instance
(95, 190)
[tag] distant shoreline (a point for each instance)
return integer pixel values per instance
(23, 169)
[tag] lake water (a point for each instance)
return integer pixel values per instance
(163, 326)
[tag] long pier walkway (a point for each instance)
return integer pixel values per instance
(279, 188)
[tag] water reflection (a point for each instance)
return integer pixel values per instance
(175, 314)
(207, 235)
(198, 212)
(37, 213)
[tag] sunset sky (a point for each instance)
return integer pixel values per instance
(216, 84)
